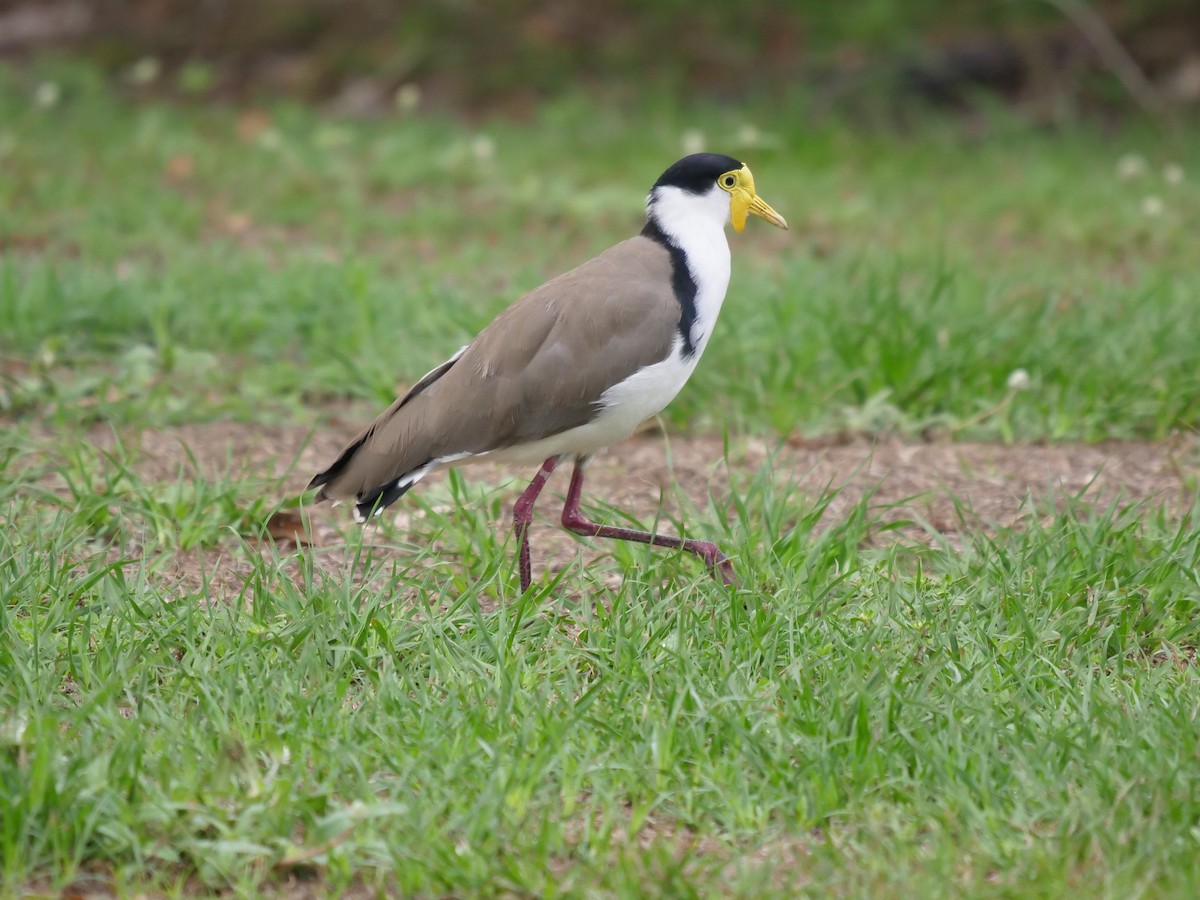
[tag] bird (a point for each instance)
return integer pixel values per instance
(571, 367)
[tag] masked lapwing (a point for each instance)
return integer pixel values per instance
(573, 366)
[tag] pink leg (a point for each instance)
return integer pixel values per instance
(523, 515)
(574, 520)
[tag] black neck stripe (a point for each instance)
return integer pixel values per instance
(682, 283)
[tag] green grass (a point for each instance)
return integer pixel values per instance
(1015, 717)
(293, 258)
(865, 716)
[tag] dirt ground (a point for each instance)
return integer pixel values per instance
(653, 475)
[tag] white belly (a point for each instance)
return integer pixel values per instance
(623, 407)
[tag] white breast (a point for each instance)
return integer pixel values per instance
(696, 224)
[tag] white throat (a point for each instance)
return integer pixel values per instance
(695, 223)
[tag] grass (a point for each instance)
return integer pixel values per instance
(168, 263)
(1014, 717)
(866, 715)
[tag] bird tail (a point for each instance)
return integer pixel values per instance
(380, 465)
(369, 499)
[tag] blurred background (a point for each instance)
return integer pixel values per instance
(1049, 58)
(216, 208)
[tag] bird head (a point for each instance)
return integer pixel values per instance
(722, 183)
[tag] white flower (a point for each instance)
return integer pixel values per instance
(693, 141)
(47, 94)
(269, 139)
(408, 97)
(1172, 173)
(1018, 380)
(749, 136)
(12, 731)
(145, 71)
(483, 148)
(1131, 166)
(1152, 206)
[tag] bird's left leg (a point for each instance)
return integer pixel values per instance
(574, 520)
(523, 515)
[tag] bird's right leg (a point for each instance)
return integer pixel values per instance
(574, 520)
(523, 515)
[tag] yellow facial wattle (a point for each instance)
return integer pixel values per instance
(743, 200)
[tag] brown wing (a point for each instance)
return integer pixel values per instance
(536, 370)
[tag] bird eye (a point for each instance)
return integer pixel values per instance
(728, 181)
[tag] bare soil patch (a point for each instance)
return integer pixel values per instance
(667, 478)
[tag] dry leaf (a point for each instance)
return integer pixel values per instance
(180, 167)
(251, 124)
(287, 527)
(236, 223)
